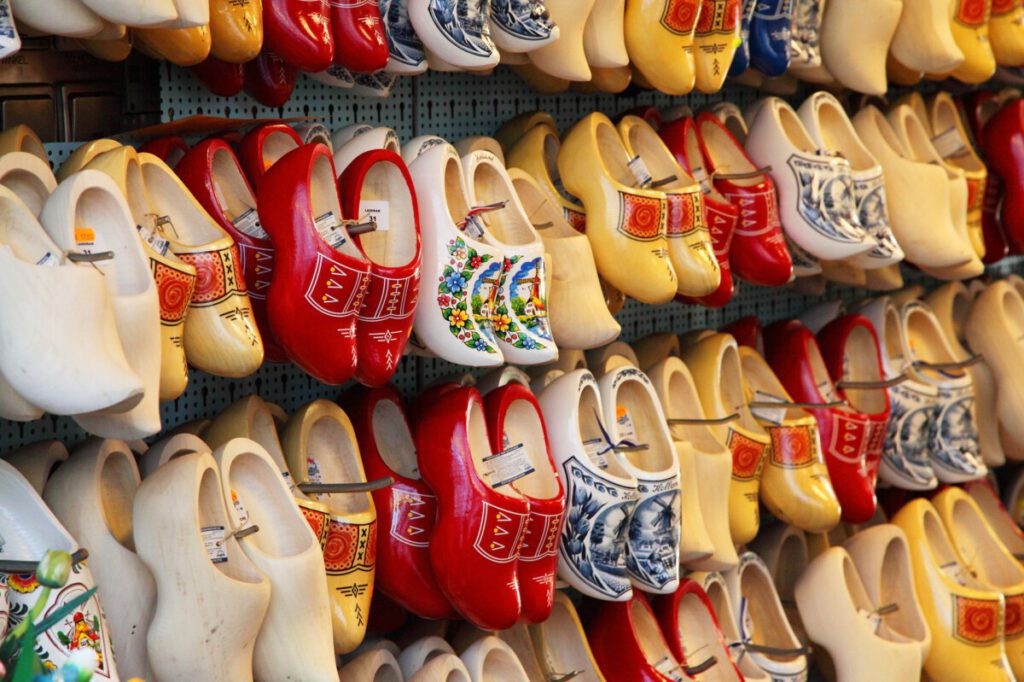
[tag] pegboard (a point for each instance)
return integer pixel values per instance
(452, 105)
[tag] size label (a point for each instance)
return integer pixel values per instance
(624, 421)
(639, 170)
(249, 223)
(330, 230)
(376, 211)
(243, 513)
(596, 451)
(313, 471)
(213, 541)
(506, 466)
(85, 236)
(669, 667)
(700, 176)
(153, 240)
(474, 227)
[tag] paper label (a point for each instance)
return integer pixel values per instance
(772, 415)
(955, 570)
(473, 227)
(249, 223)
(873, 618)
(595, 451)
(700, 176)
(85, 236)
(213, 541)
(313, 471)
(506, 466)
(949, 144)
(48, 259)
(639, 170)
(331, 231)
(243, 513)
(669, 667)
(379, 212)
(624, 420)
(154, 240)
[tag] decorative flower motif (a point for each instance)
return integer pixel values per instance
(475, 262)
(507, 265)
(459, 253)
(480, 344)
(455, 283)
(444, 301)
(502, 322)
(458, 318)
(528, 343)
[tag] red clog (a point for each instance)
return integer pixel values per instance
(689, 611)
(169, 149)
(376, 186)
(977, 107)
(513, 418)
(221, 78)
(270, 80)
(360, 43)
(299, 31)
(758, 253)
(320, 277)
(747, 332)
(648, 113)
(214, 176)
(475, 547)
(405, 511)
(1003, 141)
(680, 137)
(845, 433)
(628, 645)
(849, 345)
(262, 147)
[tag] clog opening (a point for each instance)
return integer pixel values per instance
(761, 379)
(938, 543)
(648, 634)
(393, 244)
(1013, 313)
(28, 186)
(387, 673)
(889, 136)
(634, 398)
(644, 142)
(946, 123)
(838, 135)
(323, 197)
(186, 221)
(861, 363)
(332, 451)
(838, 534)
(500, 664)
(896, 587)
(765, 612)
(103, 212)
(790, 564)
(233, 193)
(542, 213)
(455, 189)
(428, 649)
(507, 224)
(700, 639)
(21, 232)
(725, 154)
(560, 642)
(684, 403)
(892, 333)
(720, 602)
(275, 145)
(26, 525)
(550, 157)
(819, 372)
(915, 138)
(732, 118)
(981, 549)
(259, 500)
(794, 129)
(135, 190)
(589, 420)
(394, 439)
(613, 155)
(210, 504)
(523, 424)
(480, 446)
(119, 480)
(733, 396)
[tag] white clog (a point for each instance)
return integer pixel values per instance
(783, 548)
(489, 659)
(868, 26)
(37, 461)
(600, 492)
(87, 213)
(457, 31)
(566, 57)
(460, 273)
(816, 190)
(59, 344)
(470, 144)
(169, 447)
(416, 655)
(830, 128)
(518, 27)
(29, 530)
(441, 668)
(134, 13)
(519, 314)
(67, 18)
(92, 494)
(29, 177)
(211, 600)
(924, 39)
(353, 140)
(10, 43)
(378, 665)
(295, 639)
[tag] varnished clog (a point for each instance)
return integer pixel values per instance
(181, 46)
(360, 43)
(628, 644)
(236, 29)
(566, 57)
(270, 79)
(169, 149)
(536, 152)
(970, 28)
(654, 29)
(262, 147)
(300, 32)
(358, 138)
(688, 622)
(1005, 32)
(82, 155)
(715, 39)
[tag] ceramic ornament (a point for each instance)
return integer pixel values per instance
(689, 241)
(353, 140)
(519, 300)
(716, 39)
(169, 447)
(29, 530)
(705, 468)
(175, 279)
(566, 57)
(521, 25)
(840, 616)
(295, 637)
(654, 29)
(456, 30)
(561, 644)
(92, 494)
(578, 314)
(406, 57)
(600, 492)
(816, 190)
(450, 320)
(965, 618)
(37, 461)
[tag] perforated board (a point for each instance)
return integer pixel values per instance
(452, 106)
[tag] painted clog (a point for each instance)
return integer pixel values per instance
(300, 32)
(199, 567)
(455, 313)
(689, 624)
(626, 223)
(715, 588)
(236, 30)
(269, 79)
(358, 138)
(406, 510)
(262, 147)
(522, 27)
(628, 644)
(999, 140)
(970, 28)
(770, 35)
(457, 31)
(21, 138)
(1005, 32)
(716, 39)
(320, 276)
(360, 43)
(654, 29)
(600, 492)
(87, 213)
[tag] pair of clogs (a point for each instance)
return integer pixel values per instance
(314, 35)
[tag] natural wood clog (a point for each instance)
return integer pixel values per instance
(714, 587)
(490, 658)
(92, 494)
(37, 461)
(353, 140)
(68, 18)
(783, 548)
(379, 665)
(536, 152)
(1000, 518)
(83, 155)
(211, 600)
(924, 39)
(416, 655)
(566, 57)
(21, 138)
(876, 21)
(441, 668)
(169, 447)
(149, 13)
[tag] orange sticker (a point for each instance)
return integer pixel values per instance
(85, 235)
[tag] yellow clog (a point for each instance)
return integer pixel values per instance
(1006, 32)
(83, 155)
(21, 138)
(716, 38)
(971, 34)
(659, 40)
(181, 46)
(236, 29)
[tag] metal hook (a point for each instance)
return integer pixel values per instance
(812, 406)
(973, 360)
(720, 420)
(360, 228)
(886, 609)
(25, 567)
(564, 677)
(741, 176)
(239, 533)
(368, 486)
(843, 384)
(778, 651)
(631, 448)
(706, 665)
(78, 257)
(655, 184)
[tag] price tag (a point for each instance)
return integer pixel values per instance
(474, 227)
(639, 170)
(313, 471)
(153, 240)
(506, 466)
(85, 237)
(331, 231)
(873, 618)
(700, 176)
(213, 541)
(379, 212)
(243, 513)
(624, 420)
(669, 667)
(249, 223)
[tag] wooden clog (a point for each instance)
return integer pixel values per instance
(68, 18)
(655, 28)
(688, 621)
(512, 130)
(520, 28)
(252, 418)
(199, 569)
(150, 13)
(21, 138)
(181, 46)
(561, 644)
(236, 30)
(539, 80)
(566, 57)
(169, 447)
(353, 140)
(628, 644)
(715, 588)
(970, 27)
(320, 446)
(300, 32)
(653, 348)
(536, 152)
(606, 358)
(83, 155)
(441, 668)
(1006, 32)
(92, 494)
(844, 19)
(783, 548)
(28, 177)
(1000, 518)
(924, 39)
(10, 44)
(294, 640)
(37, 461)
(490, 658)
(716, 39)
(470, 144)
(375, 664)
(457, 31)
(416, 655)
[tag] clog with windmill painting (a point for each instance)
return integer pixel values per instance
(458, 33)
